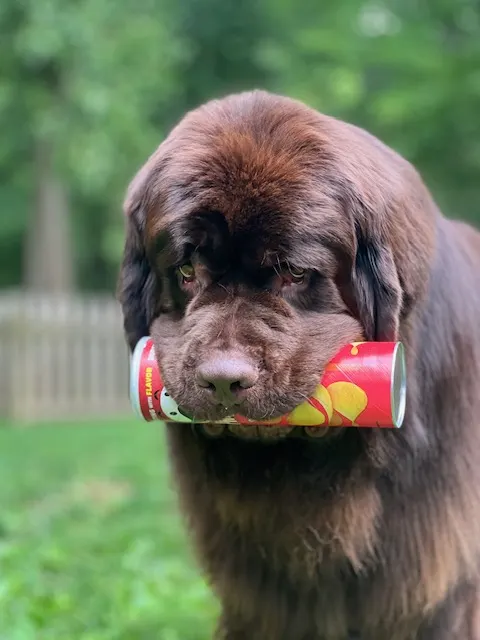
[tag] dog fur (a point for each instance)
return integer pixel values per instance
(364, 533)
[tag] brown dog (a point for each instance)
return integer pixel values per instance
(261, 237)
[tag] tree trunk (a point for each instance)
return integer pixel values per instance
(48, 254)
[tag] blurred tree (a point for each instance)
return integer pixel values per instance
(95, 86)
(408, 71)
(78, 86)
(224, 41)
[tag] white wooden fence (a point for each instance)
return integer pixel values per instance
(62, 358)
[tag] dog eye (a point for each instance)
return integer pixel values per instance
(296, 272)
(288, 275)
(187, 271)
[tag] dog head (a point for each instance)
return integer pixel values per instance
(261, 237)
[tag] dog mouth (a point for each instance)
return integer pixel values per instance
(265, 433)
(262, 433)
(223, 414)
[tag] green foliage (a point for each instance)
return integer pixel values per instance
(91, 544)
(88, 76)
(104, 82)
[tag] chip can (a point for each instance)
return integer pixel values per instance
(364, 385)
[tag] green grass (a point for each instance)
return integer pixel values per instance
(91, 543)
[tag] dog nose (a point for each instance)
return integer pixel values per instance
(227, 375)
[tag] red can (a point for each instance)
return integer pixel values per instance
(364, 385)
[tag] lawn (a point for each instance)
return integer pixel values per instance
(91, 543)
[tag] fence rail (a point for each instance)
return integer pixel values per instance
(61, 357)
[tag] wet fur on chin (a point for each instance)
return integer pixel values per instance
(374, 532)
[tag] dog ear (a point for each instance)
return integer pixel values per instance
(377, 292)
(137, 282)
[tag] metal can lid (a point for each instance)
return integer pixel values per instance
(398, 391)
(135, 363)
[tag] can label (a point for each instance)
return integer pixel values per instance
(364, 385)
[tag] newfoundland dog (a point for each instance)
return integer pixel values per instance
(261, 236)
